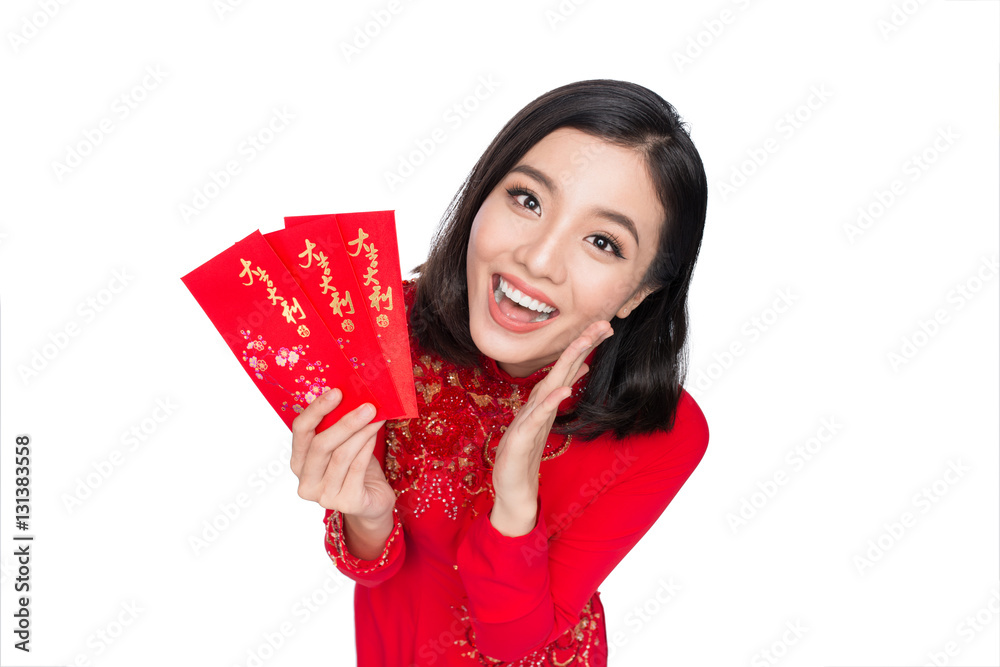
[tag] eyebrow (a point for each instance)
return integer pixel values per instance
(538, 176)
(606, 213)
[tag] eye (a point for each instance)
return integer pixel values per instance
(608, 243)
(530, 200)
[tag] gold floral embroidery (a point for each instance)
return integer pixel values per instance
(431, 363)
(481, 400)
(434, 423)
(429, 391)
(337, 544)
(440, 467)
(391, 467)
(514, 401)
(573, 647)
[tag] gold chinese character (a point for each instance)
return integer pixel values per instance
(376, 298)
(327, 286)
(246, 270)
(307, 254)
(289, 311)
(322, 260)
(337, 304)
(360, 241)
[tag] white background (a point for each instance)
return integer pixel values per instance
(894, 76)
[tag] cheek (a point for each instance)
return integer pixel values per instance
(474, 251)
(602, 299)
(487, 237)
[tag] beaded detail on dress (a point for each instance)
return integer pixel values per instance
(445, 455)
(336, 544)
(443, 461)
(575, 647)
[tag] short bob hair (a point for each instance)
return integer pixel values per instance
(635, 376)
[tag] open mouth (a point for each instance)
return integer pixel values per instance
(520, 307)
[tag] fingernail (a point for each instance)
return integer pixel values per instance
(367, 411)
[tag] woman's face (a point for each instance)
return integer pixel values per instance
(574, 225)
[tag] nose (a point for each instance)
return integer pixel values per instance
(542, 251)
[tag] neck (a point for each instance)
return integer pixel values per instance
(518, 370)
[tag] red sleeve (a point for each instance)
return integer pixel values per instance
(366, 572)
(526, 591)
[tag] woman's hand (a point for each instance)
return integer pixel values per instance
(337, 468)
(519, 453)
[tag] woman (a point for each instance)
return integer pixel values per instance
(547, 330)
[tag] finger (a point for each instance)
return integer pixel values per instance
(572, 358)
(304, 426)
(342, 461)
(542, 415)
(585, 342)
(324, 444)
(555, 398)
(353, 485)
(331, 479)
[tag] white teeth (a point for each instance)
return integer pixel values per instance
(526, 301)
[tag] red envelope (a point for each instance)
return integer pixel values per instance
(370, 242)
(314, 254)
(273, 329)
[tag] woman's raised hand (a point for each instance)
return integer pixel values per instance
(337, 468)
(519, 453)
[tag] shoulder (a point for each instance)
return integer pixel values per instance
(691, 421)
(679, 450)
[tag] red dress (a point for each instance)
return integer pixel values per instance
(448, 588)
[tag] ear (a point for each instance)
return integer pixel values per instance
(634, 301)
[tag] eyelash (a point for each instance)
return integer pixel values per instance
(616, 244)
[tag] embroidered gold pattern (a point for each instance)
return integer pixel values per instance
(440, 465)
(429, 391)
(574, 647)
(445, 456)
(482, 400)
(513, 402)
(337, 545)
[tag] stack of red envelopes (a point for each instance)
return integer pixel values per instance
(313, 306)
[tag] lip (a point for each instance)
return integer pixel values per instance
(506, 322)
